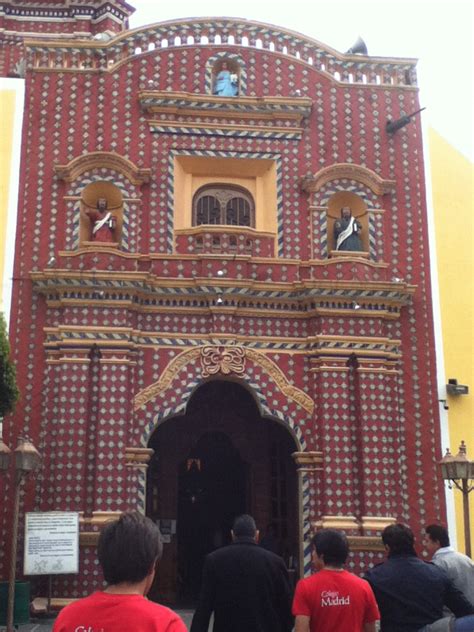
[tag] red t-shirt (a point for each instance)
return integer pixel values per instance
(335, 600)
(103, 612)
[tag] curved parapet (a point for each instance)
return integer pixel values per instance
(233, 33)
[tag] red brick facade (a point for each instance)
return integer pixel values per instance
(20, 21)
(111, 340)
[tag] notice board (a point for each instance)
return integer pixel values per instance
(51, 543)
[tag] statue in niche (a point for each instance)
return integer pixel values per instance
(226, 83)
(346, 231)
(103, 223)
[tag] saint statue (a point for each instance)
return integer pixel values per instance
(346, 232)
(226, 83)
(103, 223)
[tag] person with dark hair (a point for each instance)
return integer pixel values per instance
(128, 551)
(333, 599)
(246, 586)
(458, 567)
(411, 593)
(399, 540)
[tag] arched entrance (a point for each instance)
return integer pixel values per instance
(220, 459)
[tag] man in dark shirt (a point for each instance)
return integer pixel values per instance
(245, 586)
(411, 593)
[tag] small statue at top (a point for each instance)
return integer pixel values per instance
(226, 83)
(346, 231)
(103, 222)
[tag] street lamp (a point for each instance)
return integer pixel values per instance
(26, 459)
(458, 470)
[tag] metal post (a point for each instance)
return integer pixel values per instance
(11, 581)
(50, 592)
(467, 524)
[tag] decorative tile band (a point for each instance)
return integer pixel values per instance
(305, 492)
(223, 132)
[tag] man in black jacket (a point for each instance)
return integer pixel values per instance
(411, 593)
(246, 586)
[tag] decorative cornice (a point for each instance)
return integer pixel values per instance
(102, 159)
(148, 290)
(219, 129)
(350, 523)
(279, 117)
(98, 518)
(349, 171)
(185, 103)
(365, 543)
(142, 291)
(204, 229)
(308, 460)
(34, 9)
(377, 523)
(372, 347)
(89, 538)
(263, 39)
(338, 522)
(138, 456)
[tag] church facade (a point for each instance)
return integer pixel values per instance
(193, 339)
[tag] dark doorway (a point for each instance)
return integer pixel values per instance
(211, 493)
(218, 460)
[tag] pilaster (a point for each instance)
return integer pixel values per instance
(309, 468)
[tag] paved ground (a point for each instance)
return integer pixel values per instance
(46, 625)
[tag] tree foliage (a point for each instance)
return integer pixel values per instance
(9, 392)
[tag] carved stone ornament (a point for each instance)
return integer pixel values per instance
(223, 360)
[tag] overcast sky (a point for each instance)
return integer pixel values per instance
(437, 32)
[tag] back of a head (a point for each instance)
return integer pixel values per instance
(438, 533)
(399, 538)
(331, 546)
(244, 527)
(128, 548)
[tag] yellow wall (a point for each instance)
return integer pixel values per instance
(11, 112)
(7, 109)
(453, 202)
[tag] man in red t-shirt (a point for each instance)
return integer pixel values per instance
(333, 599)
(128, 551)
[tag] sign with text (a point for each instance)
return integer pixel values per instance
(51, 543)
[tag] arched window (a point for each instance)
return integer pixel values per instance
(223, 204)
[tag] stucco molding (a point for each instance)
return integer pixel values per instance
(348, 171)
(102, 160)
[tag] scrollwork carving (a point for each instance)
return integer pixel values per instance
(225, 360)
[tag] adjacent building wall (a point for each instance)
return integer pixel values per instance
(453, 195)
(11, 108)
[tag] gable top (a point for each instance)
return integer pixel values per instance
(234, 34)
